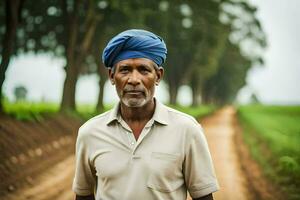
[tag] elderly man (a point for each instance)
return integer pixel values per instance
(141, 149)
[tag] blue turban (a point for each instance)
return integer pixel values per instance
(134, 43)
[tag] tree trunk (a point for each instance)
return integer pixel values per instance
(196, 96)
(76, 58)
(13, 9)
(173, 90)
(68, 98)
(100, 104)
(103, 77)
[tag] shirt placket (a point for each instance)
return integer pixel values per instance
(131, 139)
(144, 133)
(133, 144)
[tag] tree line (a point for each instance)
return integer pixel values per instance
(211, 43)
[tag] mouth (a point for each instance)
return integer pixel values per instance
(134, 92)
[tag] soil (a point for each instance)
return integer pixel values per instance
(220, 134)
(30, 148)
(39, 157)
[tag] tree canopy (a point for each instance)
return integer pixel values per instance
(211, 44)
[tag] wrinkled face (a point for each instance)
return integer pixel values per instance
(135, 80)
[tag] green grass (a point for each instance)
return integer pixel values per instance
(29, 110)
(35, 111)
(273, 136)
(197, 112)
(87, 111)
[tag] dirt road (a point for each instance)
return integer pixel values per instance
(55, 184)
(219, 130)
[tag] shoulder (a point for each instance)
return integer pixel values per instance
(183, 123)
(186, 127)
(93, 124)
(183, 120)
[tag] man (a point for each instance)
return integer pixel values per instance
(141, 149)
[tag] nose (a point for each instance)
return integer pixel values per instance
(134, 78)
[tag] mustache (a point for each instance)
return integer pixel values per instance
(133, 89)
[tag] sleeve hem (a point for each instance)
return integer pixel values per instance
(204, 190)
(82, 192)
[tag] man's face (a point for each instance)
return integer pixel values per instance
(135, 80)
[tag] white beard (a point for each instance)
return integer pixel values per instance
(134, 102)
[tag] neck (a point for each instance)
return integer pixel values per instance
(137, 114)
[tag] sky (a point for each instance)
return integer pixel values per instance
(277, 82)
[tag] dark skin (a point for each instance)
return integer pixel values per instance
(135, 81)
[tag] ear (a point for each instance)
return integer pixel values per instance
(111, 75)
(159, 75)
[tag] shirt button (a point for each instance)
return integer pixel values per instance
(132, 143)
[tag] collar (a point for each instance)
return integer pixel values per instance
(160, 114)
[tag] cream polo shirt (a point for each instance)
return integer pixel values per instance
(170, 157)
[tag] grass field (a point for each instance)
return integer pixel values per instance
(196, 112)
(35, 111)
(273, 135)
(29, 110)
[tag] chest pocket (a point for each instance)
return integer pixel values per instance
(165, 172)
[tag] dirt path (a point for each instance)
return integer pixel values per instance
(56, 182)
(219, 130)
(53, 184)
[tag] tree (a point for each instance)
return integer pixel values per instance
(12, 20)
(223, 86)
(207, 51)
(64, 29)
(240, 25)
(254, 99)
(20, 93)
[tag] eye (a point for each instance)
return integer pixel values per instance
(144, 70)
(124, 70)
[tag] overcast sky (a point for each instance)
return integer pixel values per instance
(275, 83)
(278, 81)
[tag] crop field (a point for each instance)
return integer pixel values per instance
(35, 110)
(272, 134)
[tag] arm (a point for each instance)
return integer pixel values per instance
(207, 197)
(198, 168)
(89, 197)
(85, 175)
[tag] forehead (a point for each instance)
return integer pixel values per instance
(135, 62)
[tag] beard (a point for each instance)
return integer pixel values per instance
(134, 102)
(135, 98)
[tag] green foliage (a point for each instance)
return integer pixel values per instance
(223, 86)
(200, 36)
(273, 136)
(29, 110)
(20, 93)
(35, 111)
(197, 112)
(87, 111)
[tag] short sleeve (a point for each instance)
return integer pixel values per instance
(85, 179)
(198, 168)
